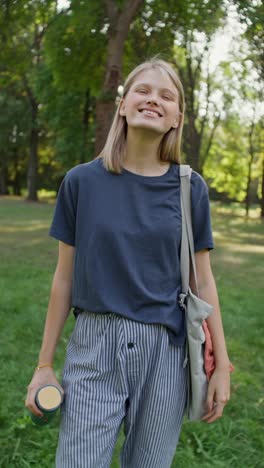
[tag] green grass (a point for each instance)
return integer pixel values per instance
(27, 262)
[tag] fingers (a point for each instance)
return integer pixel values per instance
(210, 402)
(61, 389)
(215, 413)
(30, 403)
(30, 400)
(218, 394)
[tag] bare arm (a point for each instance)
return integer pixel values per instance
(58, 310)
(59, 302)
(218, 392)
(208, 292)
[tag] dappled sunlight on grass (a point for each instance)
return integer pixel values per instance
(235, 209)
(35, 227)
(232, 259)
(43, 200)
(252, 236)
(243, 248)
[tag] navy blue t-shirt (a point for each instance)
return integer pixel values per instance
(127, 233)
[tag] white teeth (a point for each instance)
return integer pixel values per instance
(150, 113)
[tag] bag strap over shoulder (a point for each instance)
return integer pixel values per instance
(187, 243)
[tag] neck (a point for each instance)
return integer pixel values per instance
(142, 150)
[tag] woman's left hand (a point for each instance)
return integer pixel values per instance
(218, 394)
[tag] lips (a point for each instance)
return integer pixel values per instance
(150, 110)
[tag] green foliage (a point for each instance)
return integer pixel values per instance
(56, 60)
(79, 43)
(61, 112)
(161, 21)
(226, 168)
(184, 16)
(15, 127)
(252, 14)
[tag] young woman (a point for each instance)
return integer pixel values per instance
(118, 222)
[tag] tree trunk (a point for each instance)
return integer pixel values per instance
(251, 157)
(194, 129)
(193, 141)
(120, 20)
(32, 173)
(104, 113)
(85, 123)
(192, 137)
(262, 191)
(192, 144)
(3, 181)
(17, 180)
(247, 198)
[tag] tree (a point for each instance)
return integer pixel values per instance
(23, 25)
(120, 16)
(14, 124)
(252, 14)
(181, 31)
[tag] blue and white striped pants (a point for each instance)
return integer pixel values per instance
(117, 370)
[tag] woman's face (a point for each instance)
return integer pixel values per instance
(153, 90)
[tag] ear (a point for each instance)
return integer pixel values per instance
(121, 107)
(177, 121)
(175, 124)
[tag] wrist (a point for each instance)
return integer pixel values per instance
(43, 365)
(222, 360)
(224, 366)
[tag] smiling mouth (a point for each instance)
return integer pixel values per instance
(150, 113)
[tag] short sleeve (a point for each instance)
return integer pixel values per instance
(64, 217)
(201, 216)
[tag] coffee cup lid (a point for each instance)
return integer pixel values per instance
(48, 397)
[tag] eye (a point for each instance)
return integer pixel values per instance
(141, 90)
(166, 97)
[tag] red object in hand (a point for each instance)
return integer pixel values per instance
(209, 360)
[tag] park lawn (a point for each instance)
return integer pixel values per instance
(27, 262)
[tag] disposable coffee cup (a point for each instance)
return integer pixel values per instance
(48, 399)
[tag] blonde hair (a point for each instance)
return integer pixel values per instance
(170, 145)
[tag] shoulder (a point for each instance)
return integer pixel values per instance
(82, 172)
(198, 184)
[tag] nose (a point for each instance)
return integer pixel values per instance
(152, 98)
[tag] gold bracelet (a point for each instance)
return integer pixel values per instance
(43, 365)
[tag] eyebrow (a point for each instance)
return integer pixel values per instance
(162, 89)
